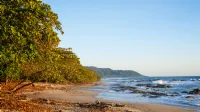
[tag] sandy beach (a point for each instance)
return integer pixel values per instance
(82, 94)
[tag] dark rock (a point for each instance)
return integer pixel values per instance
(148, 92)
(156, 79)
(195, 91)
(184, 92)
(120, 105)
(52, 103)
(154, 96)
(177, 80)
(124, 88)
(189, 97)
(174, 94)
(145, 95)
(139, 91)
(157, 86)
(146, 85)
(85, 105)
(162, 86)
(105, 103)
(138, 81)
(158, 94)
(174, 80)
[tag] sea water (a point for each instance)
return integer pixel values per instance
(177, 94)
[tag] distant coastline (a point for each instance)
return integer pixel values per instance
(108, 72)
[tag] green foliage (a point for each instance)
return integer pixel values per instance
(26, 31)
(28, 45)
(71, 70)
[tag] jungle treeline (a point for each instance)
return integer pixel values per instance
(29, 46)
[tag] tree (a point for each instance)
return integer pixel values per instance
(27, 34)
(28, 46)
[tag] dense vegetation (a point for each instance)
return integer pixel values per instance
(29, 46)
(107, 72)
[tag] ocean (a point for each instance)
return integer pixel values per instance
(173, 91)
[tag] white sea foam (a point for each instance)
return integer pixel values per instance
(193, 79)
(173, 82)
(159, 82)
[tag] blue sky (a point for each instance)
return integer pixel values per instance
(153, 37)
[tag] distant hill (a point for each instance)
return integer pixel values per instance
(107, 72)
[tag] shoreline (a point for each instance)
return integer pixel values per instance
(82, 94)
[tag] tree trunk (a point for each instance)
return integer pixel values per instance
(13, 89)
(22, 87)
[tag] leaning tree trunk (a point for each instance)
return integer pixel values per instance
(14, 88)
(31, 83)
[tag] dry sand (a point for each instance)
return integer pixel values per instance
(82, 94)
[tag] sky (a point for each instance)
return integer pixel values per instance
(152, 37)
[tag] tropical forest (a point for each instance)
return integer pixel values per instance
(29, 49)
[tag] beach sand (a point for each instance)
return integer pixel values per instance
(83, 95)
